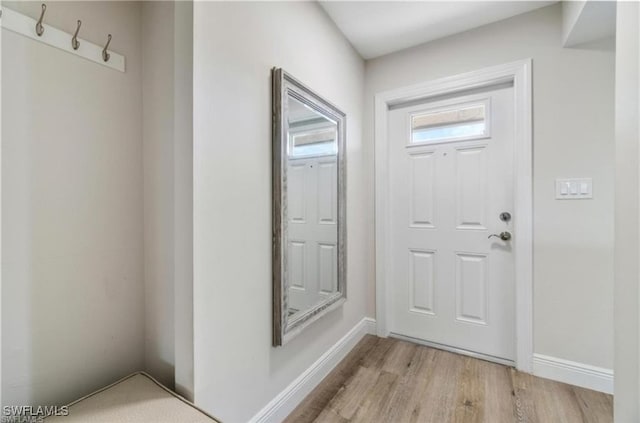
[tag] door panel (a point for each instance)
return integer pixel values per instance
(421, 279)
(327, 268)
(422, 199)
(471, 288)
(471, 187)
(327, 191)
(452, 285)
(297, 204)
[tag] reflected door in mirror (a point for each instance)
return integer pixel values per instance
(312, 208)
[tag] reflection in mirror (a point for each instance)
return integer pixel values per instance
(312, 207)
(309, 231)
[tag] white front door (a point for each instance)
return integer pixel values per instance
(451, 179)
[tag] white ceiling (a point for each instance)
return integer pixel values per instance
(376, 28)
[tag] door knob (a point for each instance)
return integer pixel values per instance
(505, 236)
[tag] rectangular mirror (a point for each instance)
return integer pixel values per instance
(309, 232)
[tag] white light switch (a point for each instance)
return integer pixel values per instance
(585, 187)
(574, 188)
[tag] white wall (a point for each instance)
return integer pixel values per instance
(573, 136)
(627, 229)
(72, 208)
(237, 371)
(158, 136)
(183, 198)
(157, 122)
(1, 218)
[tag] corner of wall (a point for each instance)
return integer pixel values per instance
(627, 221)
(158, 126)
(183, 196)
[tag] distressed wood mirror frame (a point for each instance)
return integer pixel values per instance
(286, 325)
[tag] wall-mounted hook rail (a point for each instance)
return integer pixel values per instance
(39, 26)
(24, 25)
(75, 44)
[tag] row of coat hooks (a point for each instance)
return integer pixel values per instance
(75, 44)
(37, 29)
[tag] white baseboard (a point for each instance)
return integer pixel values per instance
(283, 404)
(578, 374)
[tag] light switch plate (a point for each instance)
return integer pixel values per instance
(574, 188)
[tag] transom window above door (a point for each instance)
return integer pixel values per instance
(451, 123)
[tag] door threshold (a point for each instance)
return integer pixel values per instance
(455, 350)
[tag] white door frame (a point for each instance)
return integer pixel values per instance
(520, 74)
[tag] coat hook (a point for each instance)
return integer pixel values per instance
(74, 41)
(105, 54)
(39, 27)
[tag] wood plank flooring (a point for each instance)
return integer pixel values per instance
(388, 380)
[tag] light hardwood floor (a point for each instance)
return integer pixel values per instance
(388, 380)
